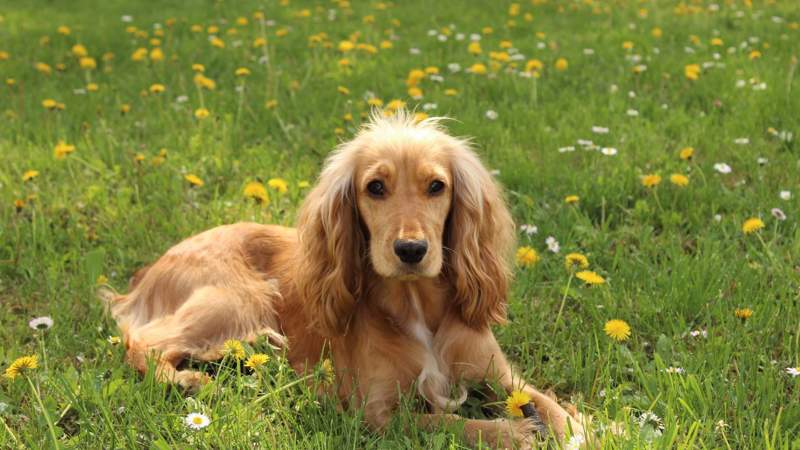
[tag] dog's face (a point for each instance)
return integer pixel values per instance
(403, 193)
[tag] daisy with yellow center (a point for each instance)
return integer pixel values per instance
(527, 257)
(573, 260)
(234, 348)
(197, 421)
(256, 360)
(515, 402)
(257, 192)
(752, 225)
(616, 329)
(21, 365)
(194, 180)
(590, 277)
(651, 180)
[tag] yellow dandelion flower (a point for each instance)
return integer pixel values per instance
(43, 68)
(561, 64)
(78, 50)
(20, 365)
(92, 87)
(271, 104)
(303, 184)
(691, 71)
(140, 54)
(242, 72)
(201, 113)
(571, 199)
(124, 108)
(49, 103)
(198, 68)
(679, 180)
(29, 175)
(656, 32)
(194, 180)
(415, 93)
(474, 48)
(279, 184)
(157, 88)
(217, 42)
(755, 54)
(716, 42)
(395, 105)
(256, 360)
(651, 180)
(114, 340)
(204, 82)
(234, 348)
(328, 374)
(451, 92)
(345, 46)
(573, 260)
(63, 30)
(385, 45)
(515, 402)
(62, 149)
(259, 42)
(534, 65)
(420, 116)
(752, 225)
(527, 256)
(343, 90)
(590, 277)
(616, 329)
(156, 54)
(256, 191)
(686, 153)
(743, 313)
(478, 68)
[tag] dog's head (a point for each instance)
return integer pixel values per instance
(404, 200)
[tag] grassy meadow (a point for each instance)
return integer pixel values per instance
(657, 139)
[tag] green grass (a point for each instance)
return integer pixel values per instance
(670, 267)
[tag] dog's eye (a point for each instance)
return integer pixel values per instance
(435, 187)
(376, 188)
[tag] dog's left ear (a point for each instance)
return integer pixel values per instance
(479, 240)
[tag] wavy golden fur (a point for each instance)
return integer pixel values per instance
(398, 267)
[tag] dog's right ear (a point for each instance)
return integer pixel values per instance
(331, 246)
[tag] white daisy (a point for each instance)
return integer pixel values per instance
(676, 370)
(722, 168)
(197, 421)
(632, 113)
(41, 323)
(585, 143)
(529, 229)
(761, 160)
(778, 214)
(608, 151)
(717, 217)
(793, 371)
(491, 114)
(741, 141)
(575, 442)
(552, 244)
(566, 149)
(696, 333)
(599, 130)
(454, 67)
(785, 195)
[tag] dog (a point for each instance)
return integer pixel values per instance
(398, 267)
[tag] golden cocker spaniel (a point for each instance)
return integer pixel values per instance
(398, 267)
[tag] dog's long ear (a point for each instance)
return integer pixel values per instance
(479, 240)
(331, 247)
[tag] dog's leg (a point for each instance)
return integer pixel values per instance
(498, 433)
(476, 356)
(199, 328)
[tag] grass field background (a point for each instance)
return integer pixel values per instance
(138, 169)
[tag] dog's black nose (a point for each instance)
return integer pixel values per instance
(410, 251)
